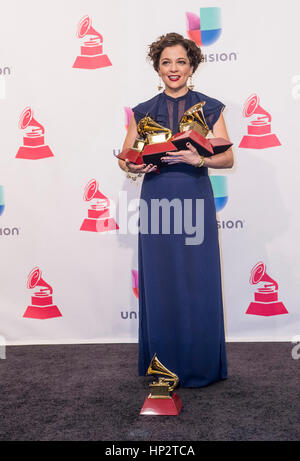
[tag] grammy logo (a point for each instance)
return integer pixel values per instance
(266, 297)
(98, 219)
(259, 130)
(34, 147)
(91, 56)
(41, 302)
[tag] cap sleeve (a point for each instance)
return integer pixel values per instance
(212, 111)
(138, 113)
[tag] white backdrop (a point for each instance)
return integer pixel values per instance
(83, 113)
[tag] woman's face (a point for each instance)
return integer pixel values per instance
(174, 69)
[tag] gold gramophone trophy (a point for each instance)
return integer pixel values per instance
(153, 142)
(194, 129)
(161, 400)
(157, 140)
(134, 153)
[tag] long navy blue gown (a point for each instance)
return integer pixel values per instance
(180, 293)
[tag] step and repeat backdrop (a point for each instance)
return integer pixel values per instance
(70, 72)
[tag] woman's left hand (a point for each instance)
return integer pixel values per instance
(190, 156)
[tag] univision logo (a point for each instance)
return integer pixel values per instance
(1, 200)
(4, 72)
(135, 283)
(132, 314)
(6, 231)
(219, 186)
(205, 30)
(128, 115)
(129, 315)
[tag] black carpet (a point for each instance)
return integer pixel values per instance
(92, 392)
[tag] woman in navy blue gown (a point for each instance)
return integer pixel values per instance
(180, 291)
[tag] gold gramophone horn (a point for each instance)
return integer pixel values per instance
(157, 368)
(193, 119)
(152, 131)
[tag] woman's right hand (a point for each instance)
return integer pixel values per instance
(143, 168)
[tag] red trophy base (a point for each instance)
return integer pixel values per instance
(152, 153)
(259, 142)
(266, 309)
(99, 225)
(133, 155)
(42, 312)
(92, 62)
(34, 153)
(220, 145)
(202, 144)
(169, 407)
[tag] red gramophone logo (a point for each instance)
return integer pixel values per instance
(34, 146)
(91, 56)
(259, 130)
(98, 219)
(135, 283)
(42, 306)
(266, 297)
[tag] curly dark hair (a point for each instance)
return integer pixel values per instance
(193, 51)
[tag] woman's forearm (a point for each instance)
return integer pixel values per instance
(224, 160)
(122, 164)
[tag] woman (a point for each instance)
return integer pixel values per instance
(180, 296)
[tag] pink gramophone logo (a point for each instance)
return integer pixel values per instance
(135, 283)
(266, 297)
(42, 306)
(98, 219)
(34, 146)
(91, 56)
(259, 130)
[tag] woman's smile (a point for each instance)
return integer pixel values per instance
(174, 78)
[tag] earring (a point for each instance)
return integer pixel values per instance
(159, 86)
(191, 85)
